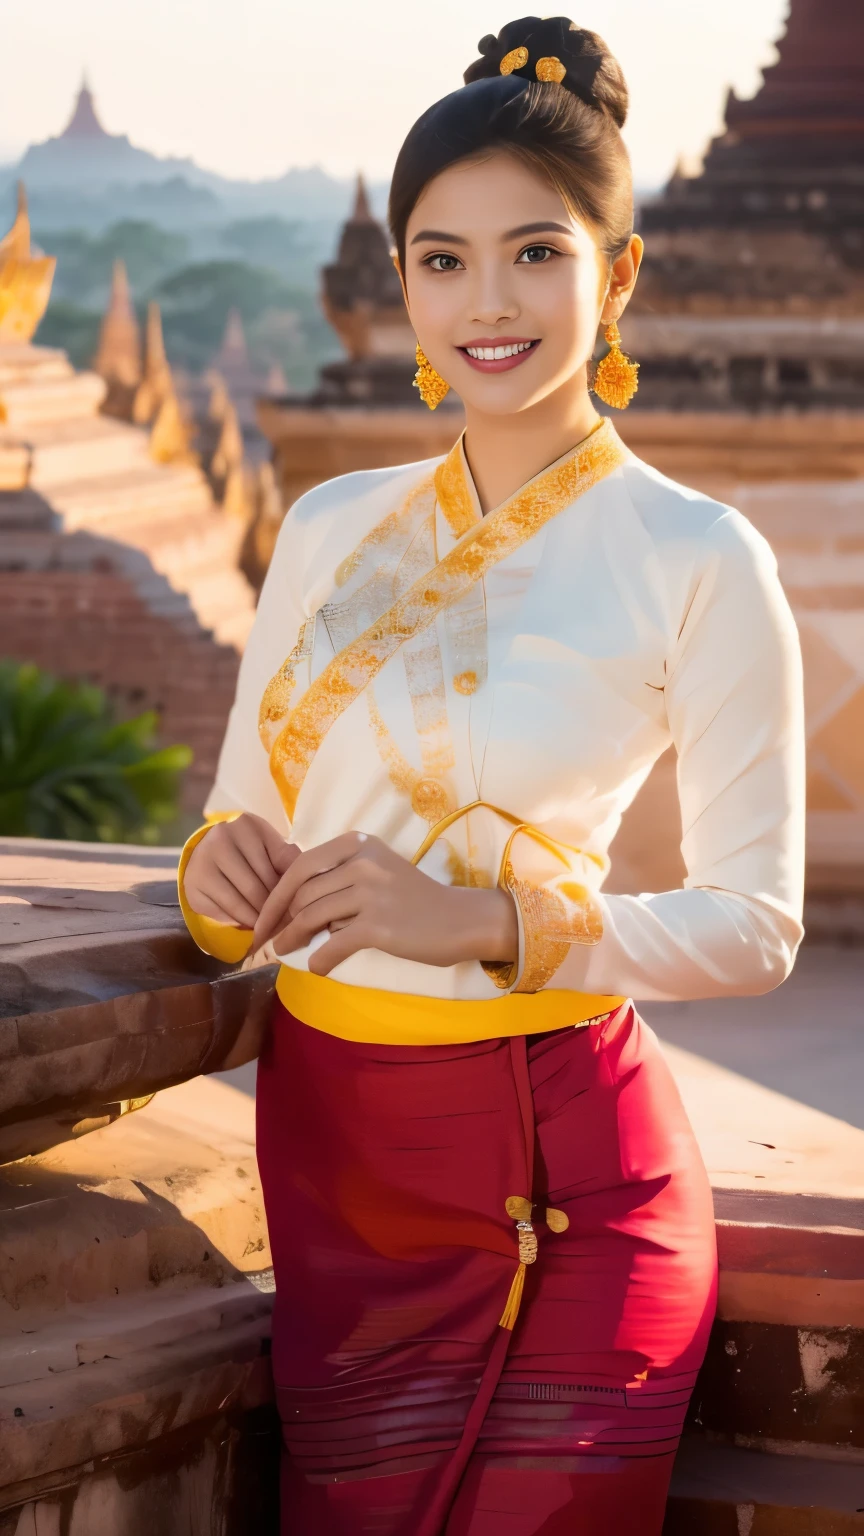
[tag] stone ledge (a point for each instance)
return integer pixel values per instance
(722, 1491)
(103, 996)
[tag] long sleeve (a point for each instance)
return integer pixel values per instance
(734, 703)
(243, 781)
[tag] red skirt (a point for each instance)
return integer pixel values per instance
(405, 1407)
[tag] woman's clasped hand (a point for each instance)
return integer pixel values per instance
(353, 888)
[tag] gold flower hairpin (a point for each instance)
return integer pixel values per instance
(550, 68)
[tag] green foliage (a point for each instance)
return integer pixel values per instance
(74, 329)
(269, 241)
(85, 262)
(271, 277)
(68, 769)
(283, 322)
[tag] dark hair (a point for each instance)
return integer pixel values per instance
(565, 124)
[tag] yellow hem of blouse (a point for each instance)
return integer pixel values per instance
(373, 1017)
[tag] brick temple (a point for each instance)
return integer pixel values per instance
(752, 294)
(117, 564)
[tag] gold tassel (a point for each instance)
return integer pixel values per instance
(616, 379)
(514, 1300)
(430, 383)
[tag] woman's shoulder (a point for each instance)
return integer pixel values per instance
(325, 524)
(679, 518)
(359, 494)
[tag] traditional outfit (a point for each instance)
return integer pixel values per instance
(486, 695)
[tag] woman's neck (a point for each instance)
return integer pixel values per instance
(504, 452)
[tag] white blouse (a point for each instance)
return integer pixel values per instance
(612, 622)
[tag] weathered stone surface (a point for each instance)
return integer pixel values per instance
(103, 996)
(135, 1292)
(721, 1491)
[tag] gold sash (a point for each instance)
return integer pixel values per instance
(479, 548)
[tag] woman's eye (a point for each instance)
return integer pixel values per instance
(443, 263)
(535, 253)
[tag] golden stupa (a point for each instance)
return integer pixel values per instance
(25, 279)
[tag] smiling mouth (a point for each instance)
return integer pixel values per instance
(498, 356)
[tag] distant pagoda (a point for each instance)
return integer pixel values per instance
(364, 410)
(84, 122)
(85, 156)
(752, 293)
(362, 299)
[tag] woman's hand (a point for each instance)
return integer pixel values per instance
(368, 897)
(234, 869)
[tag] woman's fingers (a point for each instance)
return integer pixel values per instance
(305, 867)
(205, 907)
(318, 886)
(344, 943)
(225, 895)
(339, 907)
(249, 838)
(232, 862)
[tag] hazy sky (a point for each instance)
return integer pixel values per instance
(249, 87)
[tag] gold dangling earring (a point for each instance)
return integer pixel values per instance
(430, 384)
(616, 379)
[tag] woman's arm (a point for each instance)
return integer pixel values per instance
(734, 700)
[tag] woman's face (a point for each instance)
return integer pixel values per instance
(504, 286)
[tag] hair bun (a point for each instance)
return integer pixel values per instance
(590, 70)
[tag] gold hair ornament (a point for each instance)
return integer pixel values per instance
(430, 383)
(550, 69)
(517, 58)
(616, 379)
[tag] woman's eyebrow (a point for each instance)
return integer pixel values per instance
(536, 229)
(438, 234)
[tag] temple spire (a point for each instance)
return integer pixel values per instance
(15, 246)
(362, 212)
(84, 122)
(156, 384)
(25, 278)
(118, 358)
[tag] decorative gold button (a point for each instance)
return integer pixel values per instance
(465, 682)
(557, 1221)
(518, 1208)
(430, 799)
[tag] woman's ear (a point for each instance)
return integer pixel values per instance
(622, 279)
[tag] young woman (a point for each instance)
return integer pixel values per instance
(492, 1231)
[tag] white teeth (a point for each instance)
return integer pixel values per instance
(494, 354)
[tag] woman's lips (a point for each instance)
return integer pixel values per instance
(518, 348)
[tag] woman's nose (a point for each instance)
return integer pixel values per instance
(492, 302)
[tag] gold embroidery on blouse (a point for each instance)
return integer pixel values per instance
(344, 621)
(556, 914)
(551, 923)
(429, 789)
(276, 699)
(454, 493)
(380, 536)
(485, 543)
(431, 799)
